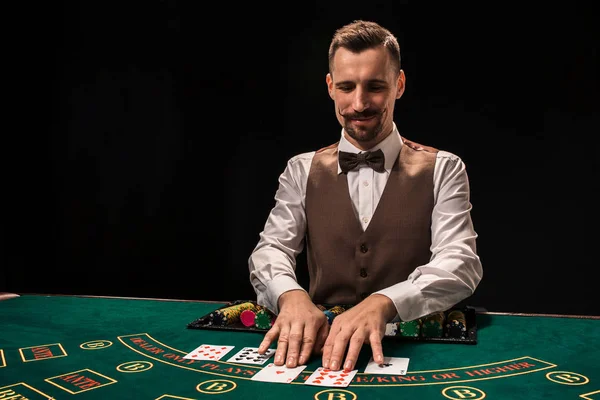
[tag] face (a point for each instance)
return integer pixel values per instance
(364, 88)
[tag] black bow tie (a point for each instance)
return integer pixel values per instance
(374, 159)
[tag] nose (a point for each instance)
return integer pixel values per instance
(361, 101)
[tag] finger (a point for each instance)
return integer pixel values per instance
(328, 347)
(356, 343)
(376, 348)
(338, 350)
(269, 338)
(294, 344)
(308, 342)
(282, 345)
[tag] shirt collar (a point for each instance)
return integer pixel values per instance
(390, 146)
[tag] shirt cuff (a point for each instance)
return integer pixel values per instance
(276, 288)
(408, 299)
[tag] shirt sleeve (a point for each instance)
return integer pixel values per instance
(454, 270)
(272, 263)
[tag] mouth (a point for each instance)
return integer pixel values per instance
(363, 118)
(366, 115)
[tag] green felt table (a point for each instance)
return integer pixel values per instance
(82, 347)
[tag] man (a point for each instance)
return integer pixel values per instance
(389, 233)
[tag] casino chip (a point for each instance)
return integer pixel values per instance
(333, 312)
(247, 317)
(433, 325)
(263, 319)
(410, 328)
(392, 328)
(456, 325)
(230, 315)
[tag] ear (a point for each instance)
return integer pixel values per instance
(329, 81)
(400, 84)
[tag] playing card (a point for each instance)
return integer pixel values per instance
(249, 355)
(273, 373)
(208, 352)
(390, 366)
(326, 377)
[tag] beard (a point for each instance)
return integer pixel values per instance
(362, 133)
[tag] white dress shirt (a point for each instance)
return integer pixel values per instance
(451, 275)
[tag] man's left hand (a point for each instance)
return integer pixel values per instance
(363, 323)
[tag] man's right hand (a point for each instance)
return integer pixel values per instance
(300, 330)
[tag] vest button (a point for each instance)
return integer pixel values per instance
(364, 248)
(363, 272)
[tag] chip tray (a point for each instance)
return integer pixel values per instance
(204, 322)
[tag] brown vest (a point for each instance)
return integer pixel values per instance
(345, 264)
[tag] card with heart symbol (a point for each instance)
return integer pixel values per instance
(208, 352)
(278, 374)
(326, 377)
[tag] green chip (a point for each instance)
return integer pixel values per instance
(263, 320)
(410, 328)
(433, 325)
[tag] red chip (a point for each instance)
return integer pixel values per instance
(247, 317)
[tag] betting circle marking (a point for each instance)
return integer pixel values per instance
(216, 386)
(463, 392)
(131, 367)
(335, 394)
(567, 378)
(96, 345)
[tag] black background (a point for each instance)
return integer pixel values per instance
(150, 136)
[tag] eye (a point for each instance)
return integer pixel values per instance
(345, 88)
(377, 88)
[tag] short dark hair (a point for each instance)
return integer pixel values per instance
(362, 35)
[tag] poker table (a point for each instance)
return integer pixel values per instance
(86, 347)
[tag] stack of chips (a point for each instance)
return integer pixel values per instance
(230, 315)
(333, 312)
(247, 317)
(392, 328)
(264, 319)
(456, 326)
(410, 328)
(433, 325)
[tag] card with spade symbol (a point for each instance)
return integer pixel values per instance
(326, 377)
(390, 366)
(249, 355)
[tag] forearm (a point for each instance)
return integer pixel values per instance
(436, 286)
